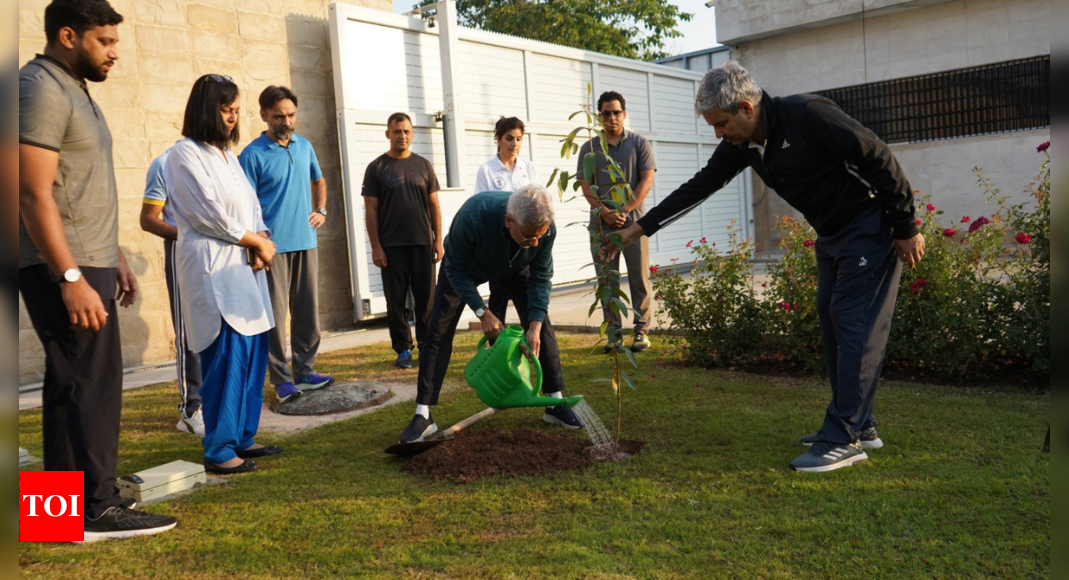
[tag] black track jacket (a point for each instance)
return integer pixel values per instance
(817, 158)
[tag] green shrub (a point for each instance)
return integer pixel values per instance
(715, 305)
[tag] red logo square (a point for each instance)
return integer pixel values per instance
(51, 506)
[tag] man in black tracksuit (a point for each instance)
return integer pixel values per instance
(848, 185)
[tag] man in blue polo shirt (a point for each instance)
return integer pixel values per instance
(284, 171)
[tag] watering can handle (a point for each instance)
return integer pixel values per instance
(537, 363)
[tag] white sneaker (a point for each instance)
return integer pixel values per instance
(193, 425)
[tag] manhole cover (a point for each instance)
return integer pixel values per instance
(340, 398)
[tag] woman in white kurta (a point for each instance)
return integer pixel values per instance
(222, 250)
(507, 171)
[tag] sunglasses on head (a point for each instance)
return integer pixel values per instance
(221, 79)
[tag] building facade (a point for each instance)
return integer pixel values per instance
(951, 84)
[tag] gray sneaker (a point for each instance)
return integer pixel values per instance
(825, 457)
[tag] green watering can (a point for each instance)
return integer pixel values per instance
(501, 374)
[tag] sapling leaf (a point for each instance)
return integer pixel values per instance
(590, 161)
(627, 379)
(631, 357)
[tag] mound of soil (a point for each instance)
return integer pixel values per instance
(474, 455)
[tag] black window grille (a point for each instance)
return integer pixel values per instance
(997, 98)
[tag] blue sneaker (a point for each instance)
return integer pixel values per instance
(287, 392)
(313, 381)
(404, 360)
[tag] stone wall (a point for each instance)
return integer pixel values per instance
(165, 45)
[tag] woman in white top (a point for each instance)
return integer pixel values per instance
(507, 171)
(223, 248)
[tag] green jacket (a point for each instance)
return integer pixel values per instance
(479, 249)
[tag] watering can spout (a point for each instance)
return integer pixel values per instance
(501, 375)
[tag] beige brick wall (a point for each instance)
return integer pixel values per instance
(165, 45)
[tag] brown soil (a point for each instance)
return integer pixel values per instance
(474, 455)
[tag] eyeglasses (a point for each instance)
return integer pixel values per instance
(608, 114)
(528, 239)
(221, 79)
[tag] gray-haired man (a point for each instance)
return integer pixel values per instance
(850, 188)
(503, 237)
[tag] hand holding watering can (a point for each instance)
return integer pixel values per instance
(492, 327)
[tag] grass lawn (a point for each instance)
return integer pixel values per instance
(960, 490)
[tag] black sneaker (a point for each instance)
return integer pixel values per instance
(824, 457)
(562, 415)
(613, 347)
(870, 439)
(120, 522)
(419, 429)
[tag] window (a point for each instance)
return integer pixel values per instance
(997, 98)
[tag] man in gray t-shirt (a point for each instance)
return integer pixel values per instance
(72, 274)
(634, 154)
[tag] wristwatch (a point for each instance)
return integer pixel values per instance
(70, 276)
(480, 312)
(322, 211)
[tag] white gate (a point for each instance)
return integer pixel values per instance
(386, 63)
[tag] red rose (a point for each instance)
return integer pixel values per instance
(919, 222)
(690, 243)
(979, 223)
(809, 243)
(1043, 148)
(931, 208)
(786, 306)
(950, 232)
(1024, 239)
(704, 241)
(918, 287)
(966, 219)
(653, 269)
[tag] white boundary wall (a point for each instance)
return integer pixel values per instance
(385, 63)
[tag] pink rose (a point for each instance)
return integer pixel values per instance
(966, 219)
(1043, 148)
(950, 232)
(704, 241)
(690, 243)
(931, 208)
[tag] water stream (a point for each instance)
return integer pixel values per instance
(595, 428)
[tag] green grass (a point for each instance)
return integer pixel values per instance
(960, 490)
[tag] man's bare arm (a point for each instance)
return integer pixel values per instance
(152, 222)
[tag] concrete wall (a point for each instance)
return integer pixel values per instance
(740, 21)
(165, 45)
(910, 38)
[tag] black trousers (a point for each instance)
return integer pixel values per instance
(858, 276)
(83, 384)
(436, 353)
(188, 362)
(408, 268)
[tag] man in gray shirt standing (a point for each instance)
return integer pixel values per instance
(72, 274)
(634, 154)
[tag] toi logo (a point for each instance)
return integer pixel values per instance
(52, 506)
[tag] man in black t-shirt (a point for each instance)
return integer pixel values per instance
(404, 224)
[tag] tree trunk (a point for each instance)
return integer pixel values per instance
(1046, 446)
